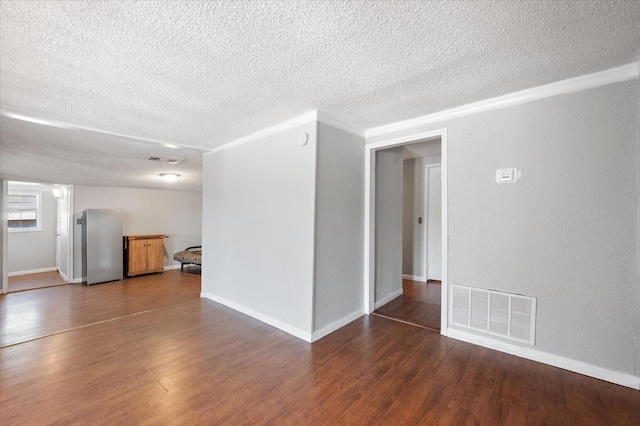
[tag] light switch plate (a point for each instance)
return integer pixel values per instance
(508, 175)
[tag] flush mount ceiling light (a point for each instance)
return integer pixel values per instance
(169, 177)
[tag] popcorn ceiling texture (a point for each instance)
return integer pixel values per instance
(203, 73)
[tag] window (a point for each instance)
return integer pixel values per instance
(24, 211)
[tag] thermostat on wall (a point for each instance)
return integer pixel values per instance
(508, 175)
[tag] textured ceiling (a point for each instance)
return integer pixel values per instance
(203, 73)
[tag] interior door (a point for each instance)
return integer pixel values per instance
(434, 223)
(62, 232)
(59, 219)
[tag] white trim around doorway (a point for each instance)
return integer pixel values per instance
(425, 216)
(4, 233)
(370, 219)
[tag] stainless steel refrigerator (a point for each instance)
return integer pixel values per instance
(101, 245)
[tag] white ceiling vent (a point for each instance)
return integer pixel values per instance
(507, 315)
(161, 159)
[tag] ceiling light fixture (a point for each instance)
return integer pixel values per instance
(169, 177)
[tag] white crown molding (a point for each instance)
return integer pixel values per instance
(301, 334)
(576, 84)
(328, 119)
(68, 126)
(309, 117)
(569, 364)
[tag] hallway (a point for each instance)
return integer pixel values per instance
(418, 305)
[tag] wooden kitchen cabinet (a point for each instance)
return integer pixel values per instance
(143, 254)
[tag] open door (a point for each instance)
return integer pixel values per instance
(62, 231)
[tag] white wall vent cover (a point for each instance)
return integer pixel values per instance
(511, 316)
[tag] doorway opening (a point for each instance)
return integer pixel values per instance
(406, 234)
(38, 235)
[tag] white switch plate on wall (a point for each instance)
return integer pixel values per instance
(508, 175)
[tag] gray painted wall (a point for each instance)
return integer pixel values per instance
(258, 232)
(37, 249)
(3, 225)
(177, 214)
(413, 192)
(638, 228)
(567, 232)
(339, 241)
(388, 222)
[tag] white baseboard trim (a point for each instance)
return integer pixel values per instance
(77, 280)
(317, 335)
(414, 277)
(64, 277)
(32, 271)
(301, 334)
(387, 299)
(171, 267)
(579, 367)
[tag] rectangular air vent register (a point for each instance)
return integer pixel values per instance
(162, 159)
(510, 316)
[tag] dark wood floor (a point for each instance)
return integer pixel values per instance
(419, 304)
(32, 314)
(193, 361)
(33, 281)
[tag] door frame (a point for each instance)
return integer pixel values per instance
(4, 268)
(370, 218)
(4, 233)
(426, 217)
(70, 227)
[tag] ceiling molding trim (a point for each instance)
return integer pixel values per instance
(571, 85)
(68, 126)
(329, 120)
(309, 117)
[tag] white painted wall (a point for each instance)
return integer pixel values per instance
(258, 235)
(339, 228)
(567, 232)
(413, 202)
(389, 177)
(34, 250)
(145, 211)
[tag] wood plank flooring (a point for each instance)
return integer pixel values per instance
(419, 304)
(33, 281)
(193, 361)
(28, 315)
